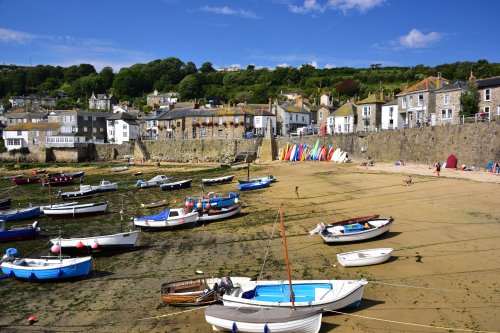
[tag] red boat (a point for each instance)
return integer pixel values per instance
(24, 180)
(38, 171)
(57, 181)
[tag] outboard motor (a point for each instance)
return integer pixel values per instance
(226, 284)
(10, 255)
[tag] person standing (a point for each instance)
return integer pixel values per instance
(438, 168)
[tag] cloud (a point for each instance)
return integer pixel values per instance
(229, 11)
(328, 66)
(315, 7)
(17, 37)
(415, 39)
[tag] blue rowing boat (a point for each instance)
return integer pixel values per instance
(254, 185)
(47, 269)
(15, 233)
(215, 200)
(19, 214)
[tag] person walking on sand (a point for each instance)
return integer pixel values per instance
(409, 181)
(438, 168)
(297, 191)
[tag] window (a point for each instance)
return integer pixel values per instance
(178, 124)
(19, 133)
(13, 142)
(124, 127)
(125, 134)
(403, 102)
(221, 133)
(220, 122)
(296, 117)
(420, 99)
(498, 110)
(446, 99)
(303, 119)
(487, 94)
(410, 102)
(85, 129)
(446, 114)
(94, 118)
(203, 132)
(85, 117)
(367, 111)
(391, 112)
(487, 109)
(94, 130)
(236, 119)
(291, 118)
(207, 119)
(101, 129)
(321, 115)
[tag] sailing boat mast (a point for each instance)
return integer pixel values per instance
(292, 297)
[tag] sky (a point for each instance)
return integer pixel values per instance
(263, 33)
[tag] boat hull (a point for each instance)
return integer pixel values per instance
(219, 214)
(232, 319)
(58, 181)
(19, 214)
(331, 235)
(217, 201)
(254, 185)
(49, 269)
(219, 180)
(79, 194)
(5, 203)
(315, 294)
(76, 210)
(24, 181)
(176, 185)
(18, 235)
(121, 240)
(364, 257)
(251, 180)
(168, 219)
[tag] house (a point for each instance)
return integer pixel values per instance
(13, 118)
(389, 115)
(323, 114)
(489, 96)
(32, 100)
(344, 119)
(78, 127)
(216, 101)
(122, 127)
(326, 100)
(369, 112)
(101, 102)
(29, 135)
(416, 104)
(290, 117)
(162, 100)
(448, 105)
(292, 95)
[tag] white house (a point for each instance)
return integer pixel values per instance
(344, 119)
(122, 127)
(260, 122)
(291, 117)
(390, 115)
(28, 135)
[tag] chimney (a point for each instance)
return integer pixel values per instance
(270, 105)
(438, 81)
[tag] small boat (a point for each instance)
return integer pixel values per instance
(5, 203)
(176, 185)
(251, 180)
(201, 291)
(214, 200)
(57, 180)
(78, 174)
(47, 269)
(154, 204)
(254, 185)
(63, 204)
(24, 180)
(121, 240)
(364, 257)
(219, 213)
(104, 186)
(76, 210)
(19, 214)
(155, 181)
(81, 194)
(15, 233)
(353, 230)
(137, 173)
(168, 219)
(218, 180)
(39, 171)
(261, 319)
(121, 168)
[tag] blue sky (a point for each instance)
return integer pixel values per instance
(265, 33)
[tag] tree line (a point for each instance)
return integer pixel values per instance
(251, 85)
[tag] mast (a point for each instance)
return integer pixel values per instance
(292, 297)
(248, 172)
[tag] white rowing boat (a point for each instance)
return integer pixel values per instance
(364, 257)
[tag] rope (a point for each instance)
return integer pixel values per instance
(173, 314)
(8, 189)
(268, 247)
(411, 324)
(417, 287)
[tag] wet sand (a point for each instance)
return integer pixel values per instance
(444, 271)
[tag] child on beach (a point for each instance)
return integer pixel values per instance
(409, 181)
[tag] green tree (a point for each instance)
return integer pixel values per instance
(206, 68)
(189, 69)
(107, 76)
(191, 87)
(470, 100)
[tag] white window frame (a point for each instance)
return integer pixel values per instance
(410, 101)
(403, 102)
(446, 99)
(367, 111)
(446, 114)
(420, 101)
(487, 95)
(487, 110)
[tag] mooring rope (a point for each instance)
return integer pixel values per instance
(173, 314)
(268, 246)
(416, 287)
(411, 324)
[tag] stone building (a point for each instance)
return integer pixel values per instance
(101, 102)
(369, 112)
(448, 105)
(29, 135)
(489, 97)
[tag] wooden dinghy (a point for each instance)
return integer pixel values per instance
(364, 257)
(201, 291)
(154, 204)
(261, 319)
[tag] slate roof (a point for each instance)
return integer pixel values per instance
(489, 82)
(348, 109)
(393, 102)
(129, 119)
(293, 109)
(25, 115)
(34, 127)
(458, 85)
(429, 83)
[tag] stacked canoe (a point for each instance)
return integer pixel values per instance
(301, 152)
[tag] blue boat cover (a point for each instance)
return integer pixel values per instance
(158, 217)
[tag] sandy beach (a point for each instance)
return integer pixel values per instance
(444, 271)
